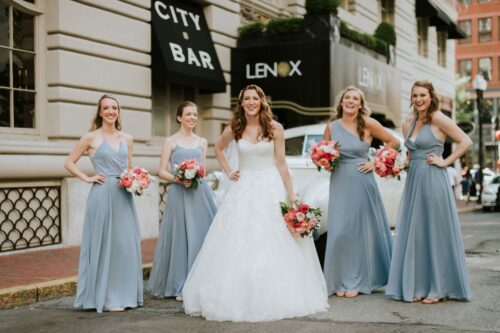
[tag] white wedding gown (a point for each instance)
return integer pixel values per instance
(250, 268)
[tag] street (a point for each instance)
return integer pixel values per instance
(374, 313)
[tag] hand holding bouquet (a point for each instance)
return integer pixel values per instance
(326, 154)
(190, 173)
(135, 180)
(389, 162)
(301, 220)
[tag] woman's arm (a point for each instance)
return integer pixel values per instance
(70, 163)
(130, 145)
(448, 127)
(327, 133)
(279, 156)
(166, 152)
(226, 137)
(381, 133)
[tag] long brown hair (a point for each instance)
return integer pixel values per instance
(363, 111)
(239, 122)
(97, 121)
(180, 109)
(434, 99)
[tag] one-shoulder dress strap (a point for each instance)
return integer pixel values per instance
(412, 126)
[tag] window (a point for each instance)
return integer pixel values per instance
(465, 67)
(422, 29)
(386, 8)
(465, 2)
(17, 68)
(483, 1)
(484, 30)
(485, 68)
(466, 27)
(441, 46)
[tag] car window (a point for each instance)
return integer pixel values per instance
(293, 146)
(311, 141)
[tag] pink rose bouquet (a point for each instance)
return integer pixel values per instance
(326, 154)
(300, 218)
(135, 180)
(190, 170)
(389, 162)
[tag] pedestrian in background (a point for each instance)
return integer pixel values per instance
(452, 177)
(110, 272)
(188, 212)
(358, 247)
(428, 262)
(465, 183)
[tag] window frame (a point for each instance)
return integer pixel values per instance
(35, 10)
(468, 38)
(460, 62)
(423, 39)
(479, 34)
(442, 38)
(486, 77)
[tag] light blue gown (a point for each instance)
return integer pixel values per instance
(187, 216)
(428, 258)
(110, 273)
(358, 248)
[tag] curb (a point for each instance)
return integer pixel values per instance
(32, 293)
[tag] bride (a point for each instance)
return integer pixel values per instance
(250, 268)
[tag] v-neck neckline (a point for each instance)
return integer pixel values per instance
(354, 135)
(117, 151)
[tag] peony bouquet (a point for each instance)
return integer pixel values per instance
(135, 180)
(389, 162)
(326, 154)
(190, 170)
(300, 219)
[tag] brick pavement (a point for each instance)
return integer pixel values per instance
(47, 273)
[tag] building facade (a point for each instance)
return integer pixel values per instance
(480, 53)
(57, 57)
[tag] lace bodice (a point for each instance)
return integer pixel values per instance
(255, 156)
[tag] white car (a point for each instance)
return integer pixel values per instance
(312, 186)
(489, 195)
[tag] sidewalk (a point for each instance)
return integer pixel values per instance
(30, 277)
(43, 274)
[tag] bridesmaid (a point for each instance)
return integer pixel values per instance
(188, 213)
(110, 273)
(358, 247)
(429, 260)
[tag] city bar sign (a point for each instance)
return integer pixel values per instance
(181, 35)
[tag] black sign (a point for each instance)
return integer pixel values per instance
(467, 126)
(182, 37)
(296, 72)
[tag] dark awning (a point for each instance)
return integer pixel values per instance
(182, 41)
(438, 18)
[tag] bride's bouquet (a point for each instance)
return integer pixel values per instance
(300, 218)
(326, 154)
(389, 162)
(190, 170)
(135, 180)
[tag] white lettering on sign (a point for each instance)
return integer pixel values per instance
(177, 15)
(262, 70)
(193, 57)
(370, 79)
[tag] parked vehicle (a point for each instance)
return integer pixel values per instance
(313, 186)
(490, 196)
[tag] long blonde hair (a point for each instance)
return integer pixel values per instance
(434, 99)
(239, 121)
(364, 111)
(97, 121)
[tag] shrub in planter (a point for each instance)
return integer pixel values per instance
(318, 7)
(385, 31)
(251, 30)
(381, 47)
(284, 26)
